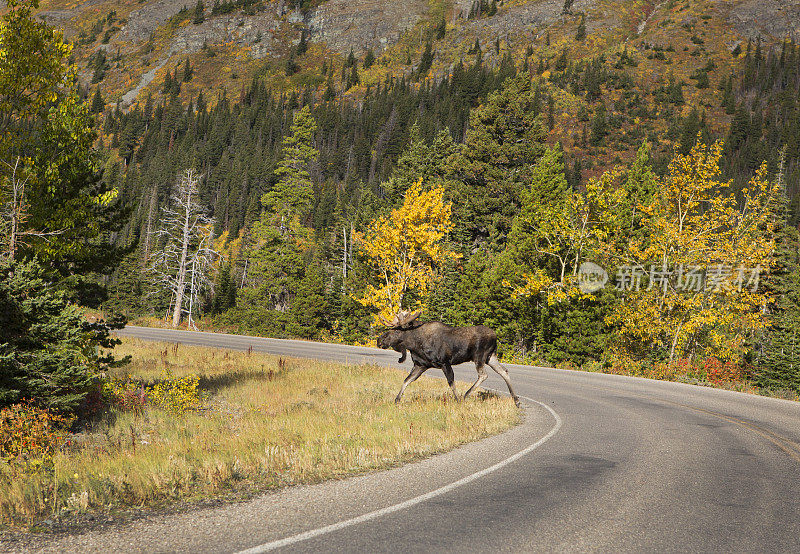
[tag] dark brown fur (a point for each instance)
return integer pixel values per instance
(438, 345)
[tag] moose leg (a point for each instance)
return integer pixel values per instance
(481, 378)
(451, 379)
(416, 371)
(495, 364)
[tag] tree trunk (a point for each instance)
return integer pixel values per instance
(150, 214)
(180, 289)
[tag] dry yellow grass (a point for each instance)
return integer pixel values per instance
(261, 427)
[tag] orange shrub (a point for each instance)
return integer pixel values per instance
(722, 372)
(30, 436)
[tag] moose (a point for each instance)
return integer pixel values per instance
(435, 344)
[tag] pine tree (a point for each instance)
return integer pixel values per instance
(188, 71)
(302, 46)
(293, 194)
(369, 59)
(98, 104)
(199, 13)
(640, 185)
(504, 140)
(580, 34)
(49, 353)
(599, 125)
(425, 61)
(440, 30)
(100, 65)
(778, 363)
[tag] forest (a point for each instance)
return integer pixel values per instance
(305, 214)
(480, 137)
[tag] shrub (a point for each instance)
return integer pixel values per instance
(177, 396)
(717, 371)
(30, 436)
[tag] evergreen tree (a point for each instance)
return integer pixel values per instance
(599, 125)
(98, 104)
(440, 30)
(48, 351)
(225, 293)
(369, 59)
(308, 311)
(778, 365)
(292, 196)
(188, 72)
(503, 141)
(100, 65)
(199, 13)
(580, 34)
(426, 61)
(640, 185)
(430, 162)
(302, 46)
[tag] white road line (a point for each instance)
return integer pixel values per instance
(266, 547)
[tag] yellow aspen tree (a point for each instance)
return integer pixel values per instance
(691, 283)
(579, 227)
(403, 250)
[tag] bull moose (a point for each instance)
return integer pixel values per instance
(435, 344)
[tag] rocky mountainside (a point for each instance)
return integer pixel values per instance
(626, 69)
(140, 40)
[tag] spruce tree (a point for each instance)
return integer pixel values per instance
(504, 140)
(49, 354)
(580, 34)
(293, 194)
(599, 125)
(98, 104)
(199, 13)
(369, 59)
(778, 365)
(425, 61)
(188, 72)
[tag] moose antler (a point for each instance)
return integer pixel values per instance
(405, 318)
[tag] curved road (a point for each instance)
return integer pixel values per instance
(603, 463)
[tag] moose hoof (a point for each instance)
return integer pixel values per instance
(397, 400)
(518, 403)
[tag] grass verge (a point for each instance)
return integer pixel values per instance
(189, 423)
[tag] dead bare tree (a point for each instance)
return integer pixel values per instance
(183, 265)
(15, 207)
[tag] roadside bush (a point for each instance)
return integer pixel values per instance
(30, 436)
(176, 395)
(717, 371)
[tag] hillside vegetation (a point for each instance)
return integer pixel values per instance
(470, 96)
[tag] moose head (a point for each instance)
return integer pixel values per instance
(393, 336)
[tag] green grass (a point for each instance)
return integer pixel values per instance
(262, 424)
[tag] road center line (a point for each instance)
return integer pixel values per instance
(266, 547)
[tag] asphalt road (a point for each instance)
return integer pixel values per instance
(601, 463)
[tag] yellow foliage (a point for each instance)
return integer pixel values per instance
(696, 223)
(404, 249)
(228, 249)
(582, 229)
